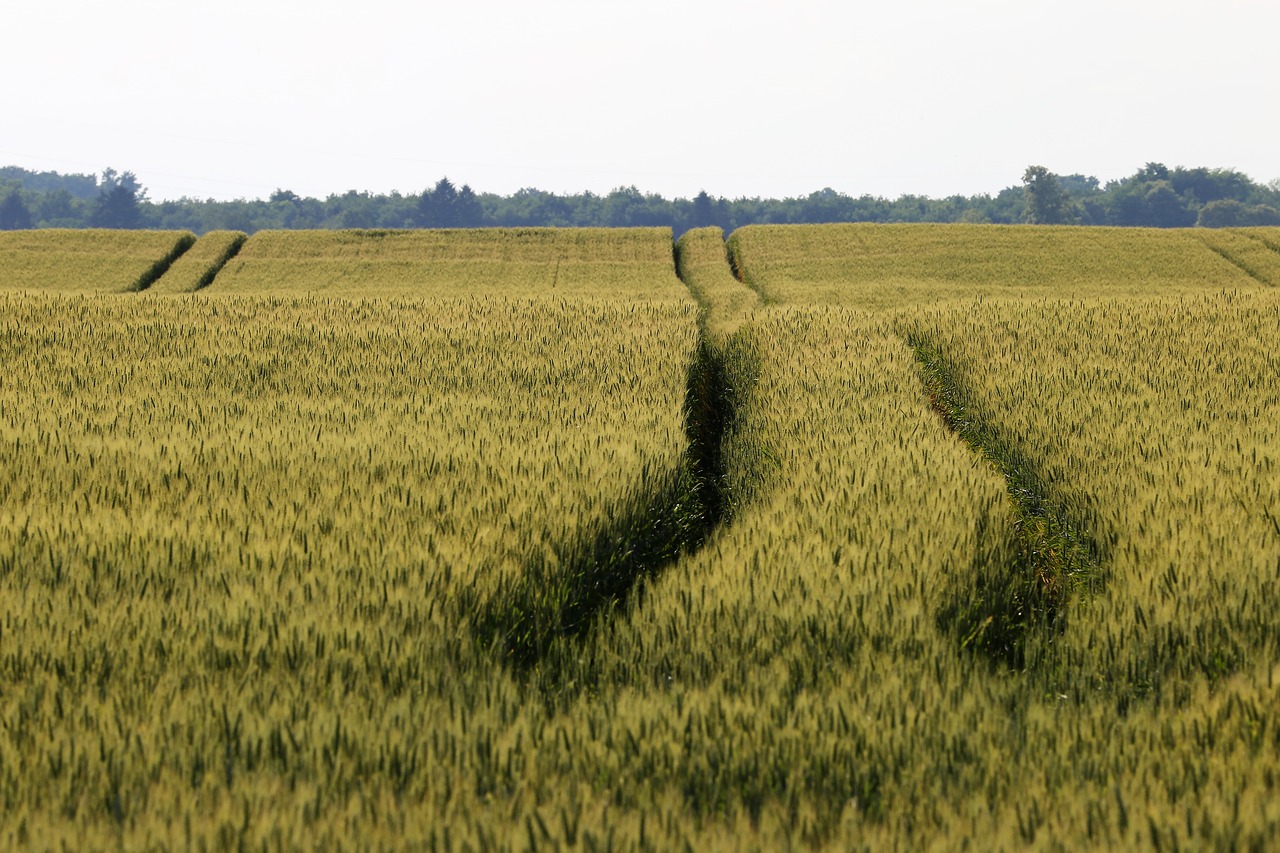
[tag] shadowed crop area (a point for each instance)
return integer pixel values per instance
(817, 537)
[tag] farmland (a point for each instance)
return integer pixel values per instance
(197, 266)
(883, 266)
(94, 261)
(575, 263)
(844, 536)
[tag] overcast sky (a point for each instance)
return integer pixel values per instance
(935, 97)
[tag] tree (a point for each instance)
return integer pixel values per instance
(111, 179)
(1229, 213)
(119, 201)
(1153, 172)
(116, 208)
(468, 213)
(353, 209)
(1079, 186)
(703, 210)
(1046, 202)
(437, 208)
(1126, 202)
(826, 205)
(1165, 209)
(1205, 185)
(14, 215)
(624, 207)
(59, 209)
(84, 187)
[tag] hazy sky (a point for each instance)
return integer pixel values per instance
(234, 99)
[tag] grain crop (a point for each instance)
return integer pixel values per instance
(198, 266)
(87, 261)
(887, 266)
(623, 264)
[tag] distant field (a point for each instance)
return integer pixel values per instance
(199, 264)
(624, 264)
(888, 266)
(86, 261)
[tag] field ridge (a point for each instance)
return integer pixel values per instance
(198, 267)
(562, 597)
(1244, 246)
(1054, 557)
(551, 604)
(161, 266)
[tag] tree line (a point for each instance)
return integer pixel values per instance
(1154, 196)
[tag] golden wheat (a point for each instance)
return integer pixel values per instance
(198, 266)
(571, 263)
(890, 266)
(247, 540)
(86, 261)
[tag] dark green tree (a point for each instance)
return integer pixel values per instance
(354, 209)
(1205, 185)
(1153, 172)
(1047, 204)
(1165, 208)
(1229, 213)
(625, 207)
(437, 208)
(703, 210)
(14, 215)
(468, 212)
(119, 201)
(116, 208)
(59, 209)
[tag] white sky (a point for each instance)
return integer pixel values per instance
(234, 99)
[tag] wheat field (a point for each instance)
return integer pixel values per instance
(886, 266)
(824, 537)
(87, 261)
(577, 263)
(201, 263)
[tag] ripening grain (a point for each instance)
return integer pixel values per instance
(801, 679)
(86, 261)
(703, 265)
(1157, 423)
(890, 266)
(1248, 249)
(246, 536)
(246, 540)
(198, 265)
(627, 263)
